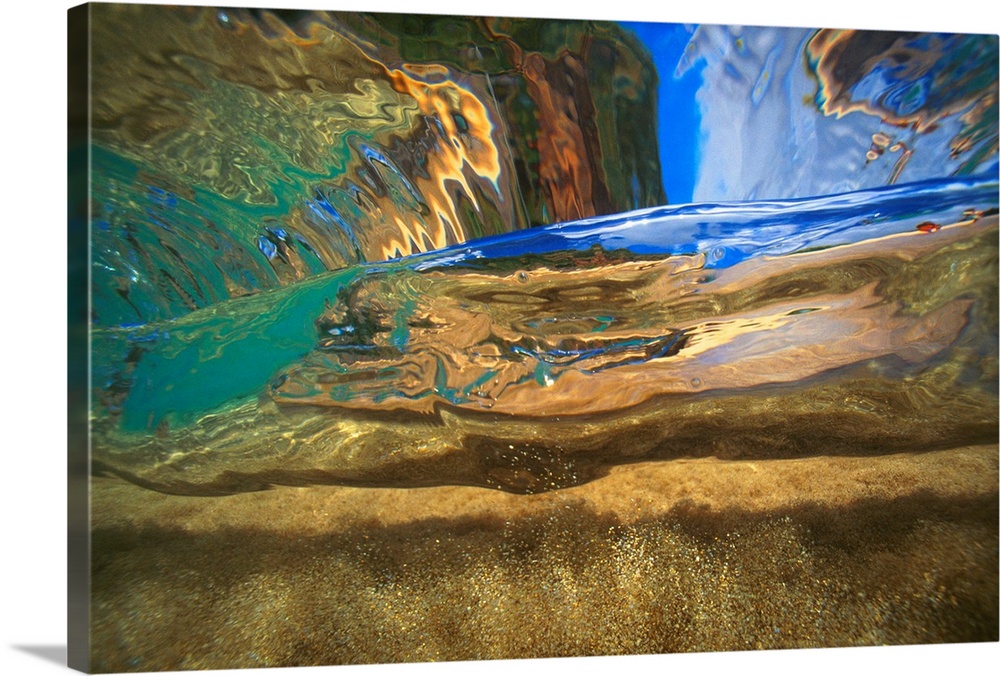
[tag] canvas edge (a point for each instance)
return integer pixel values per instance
(78, 302)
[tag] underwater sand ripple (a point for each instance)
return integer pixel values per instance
(698, 555)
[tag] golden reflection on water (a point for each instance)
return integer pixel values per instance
(467, 146)
(332, 130)
(605, 336)
(537, 378)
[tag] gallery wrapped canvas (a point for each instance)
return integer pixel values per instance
(419, 337)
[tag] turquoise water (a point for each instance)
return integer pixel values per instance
(387, 250)
(870, 313)
(183, 369)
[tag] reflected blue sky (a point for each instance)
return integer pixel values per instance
(679, 117)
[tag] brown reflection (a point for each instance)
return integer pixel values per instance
(605, 337)
(540, 377)
(346, 137)
(467, 151)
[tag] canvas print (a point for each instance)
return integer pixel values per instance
(413, 337)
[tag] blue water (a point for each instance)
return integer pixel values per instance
(228, 354)
(294, 244)
(679, 114)
(734, 232)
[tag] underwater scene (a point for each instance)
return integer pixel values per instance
(432, 338)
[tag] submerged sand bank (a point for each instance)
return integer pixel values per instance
(682, 555)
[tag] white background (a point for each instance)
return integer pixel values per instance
(33, 328)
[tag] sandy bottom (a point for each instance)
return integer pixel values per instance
(669, 556)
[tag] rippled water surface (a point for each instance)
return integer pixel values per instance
(543, 260)
(865, 311)
(250, 179)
